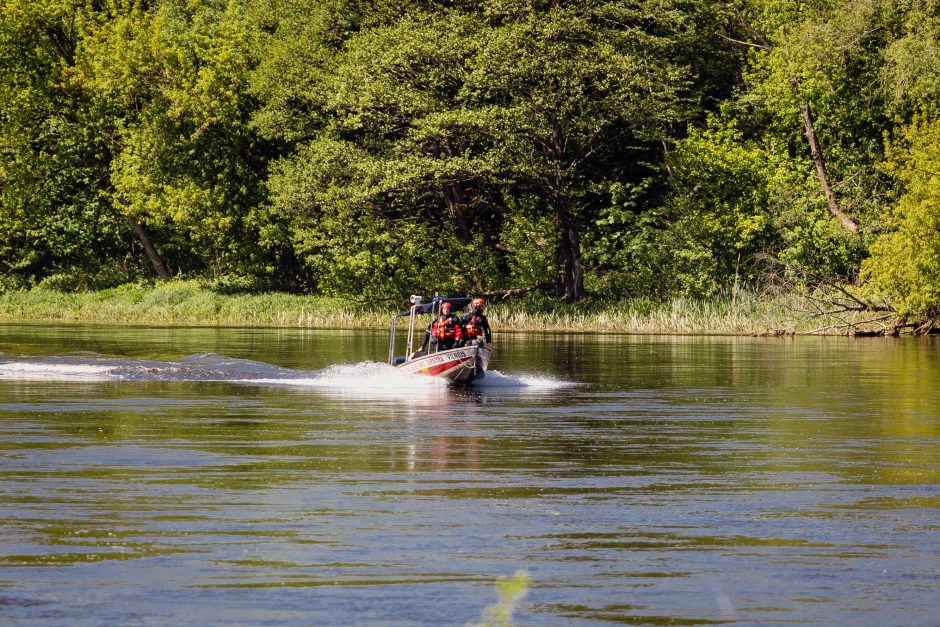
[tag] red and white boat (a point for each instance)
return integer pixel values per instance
(457, 365)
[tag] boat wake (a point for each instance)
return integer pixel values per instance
(371, 378)
(496, 380)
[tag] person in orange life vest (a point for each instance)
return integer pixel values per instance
(446, 330)
(475, 324)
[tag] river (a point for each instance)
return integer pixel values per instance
(271, 476)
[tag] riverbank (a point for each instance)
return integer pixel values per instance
(191, 303)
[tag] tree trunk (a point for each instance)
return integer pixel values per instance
(148, 247)
(456, 200)
(568, 253)
(816, 153)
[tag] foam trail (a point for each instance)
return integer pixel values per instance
(56, 371)
(495, 379)
(366, 379)
(378, 375)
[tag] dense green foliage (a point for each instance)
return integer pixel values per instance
(904, 269)
(614, 148)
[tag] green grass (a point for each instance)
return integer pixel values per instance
(191, 303)
(184, 303)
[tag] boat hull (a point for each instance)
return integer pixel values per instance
(457, 365)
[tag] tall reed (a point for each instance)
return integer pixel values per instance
(190, 303)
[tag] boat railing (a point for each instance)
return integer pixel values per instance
(433, 308)
(409, 344)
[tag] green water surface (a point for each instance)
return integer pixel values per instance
(267, 476)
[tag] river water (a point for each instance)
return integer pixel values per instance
(264, 476)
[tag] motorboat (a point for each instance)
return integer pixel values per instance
(457, 365)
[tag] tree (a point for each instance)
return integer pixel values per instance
(389, 149)
(803, 57)
(722, 211)
(55, 214)
(575, 85)
(456, 113)
(186, 163)
(904, 267)
(910, 71)
(810, 101)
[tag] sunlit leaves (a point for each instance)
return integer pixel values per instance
(177, 77)
(54, 211)
(904, 267)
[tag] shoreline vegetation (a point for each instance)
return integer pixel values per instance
(191, 303)
(640, 160)
(603, 147)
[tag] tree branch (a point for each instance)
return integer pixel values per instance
(848, 324)
(766, 47)
(749, 27)
(504, 294)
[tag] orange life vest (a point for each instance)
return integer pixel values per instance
(473, 328)
(446, 329)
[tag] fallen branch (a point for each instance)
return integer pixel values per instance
(504, 294)
(849, 324)
(862, 304)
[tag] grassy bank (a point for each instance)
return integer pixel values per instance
(190, 303)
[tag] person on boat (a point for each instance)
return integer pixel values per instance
(474, 323)
(446, 331)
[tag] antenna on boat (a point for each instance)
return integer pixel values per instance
(435, 309)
